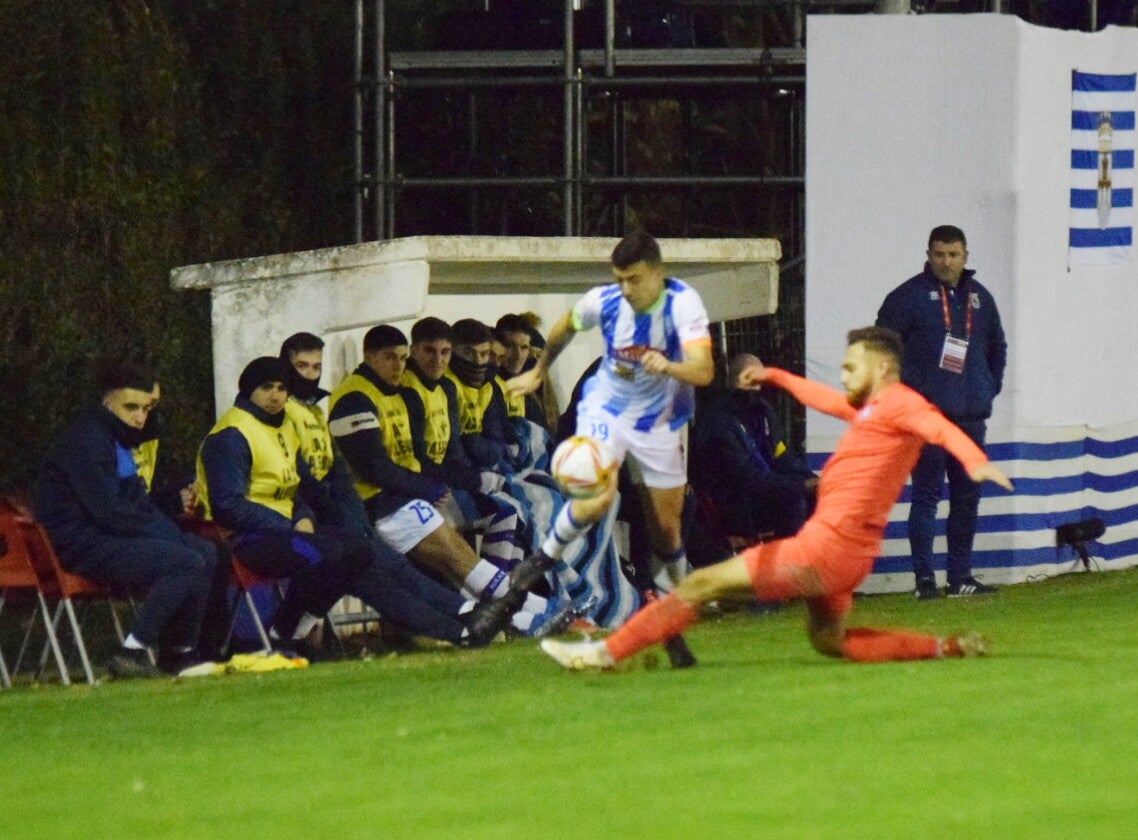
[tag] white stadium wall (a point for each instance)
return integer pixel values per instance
(915, 121)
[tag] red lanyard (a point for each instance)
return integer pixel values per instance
(948, 314)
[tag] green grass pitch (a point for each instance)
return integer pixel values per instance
(764, 739)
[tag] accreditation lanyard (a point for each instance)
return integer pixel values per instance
(955, 349)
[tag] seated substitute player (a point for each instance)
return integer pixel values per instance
(487, 435)
(249, 479)
(741, 464)
(657, 349)
(476, 498)
(402, 594)
(94, 502)
(515, 335)
(834, 551)
(371, 421)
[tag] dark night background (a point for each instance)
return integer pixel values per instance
(140, 135)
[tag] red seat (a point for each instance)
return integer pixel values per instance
(18, 572)
(242, 577)
(65, 588)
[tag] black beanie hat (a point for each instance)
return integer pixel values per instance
(258, 372)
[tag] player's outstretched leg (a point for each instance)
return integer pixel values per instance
(658, 621)
(862, 644)
(830, 637)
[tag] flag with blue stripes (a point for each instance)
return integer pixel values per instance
(1102, 168)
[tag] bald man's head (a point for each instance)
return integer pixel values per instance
(738, 364)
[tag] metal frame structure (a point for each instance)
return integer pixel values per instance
(587, 79)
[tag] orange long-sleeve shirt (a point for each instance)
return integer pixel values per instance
(863, 478)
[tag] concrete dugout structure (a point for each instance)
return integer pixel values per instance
(339, 293)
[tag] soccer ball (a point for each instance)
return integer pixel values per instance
(582, 466)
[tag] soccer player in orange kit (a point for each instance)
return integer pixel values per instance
(835, 550)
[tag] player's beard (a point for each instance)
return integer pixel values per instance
(860, 397)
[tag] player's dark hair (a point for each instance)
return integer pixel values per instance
(126, 375)
(430, 329)
(301, 342)
(879, 340)
(470, 331)
(947, 234)
(512, 324)
(638, 246)
(382, 337)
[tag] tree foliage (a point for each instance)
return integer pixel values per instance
(138, 136)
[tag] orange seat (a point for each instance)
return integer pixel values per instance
(65, 588)
(241, 576)
(17, 574)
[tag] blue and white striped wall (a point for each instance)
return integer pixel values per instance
(1061, 475)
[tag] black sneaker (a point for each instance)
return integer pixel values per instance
(530, 571)
(130, 663)
(490, 618)
(927, 590)
(969, 587)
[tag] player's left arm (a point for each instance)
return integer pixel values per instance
(934, 427)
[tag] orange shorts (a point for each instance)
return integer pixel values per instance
(839, 565)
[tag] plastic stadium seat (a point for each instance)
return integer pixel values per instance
(17, 574)
(66, 588)
(242, 577)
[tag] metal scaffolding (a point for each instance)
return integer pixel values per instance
(593, 86)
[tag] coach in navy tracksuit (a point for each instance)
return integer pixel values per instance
(955, 354)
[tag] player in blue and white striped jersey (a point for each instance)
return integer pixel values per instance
(658, 348)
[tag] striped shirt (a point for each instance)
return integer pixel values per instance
(621, 386)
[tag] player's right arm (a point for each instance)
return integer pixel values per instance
(811, 394)
(558, 339)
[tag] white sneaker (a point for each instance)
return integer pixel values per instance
(972, 644)
(577, 656)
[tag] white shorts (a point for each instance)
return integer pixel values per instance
(410, 525)
(656, 457)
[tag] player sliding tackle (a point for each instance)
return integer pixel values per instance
(834, 552)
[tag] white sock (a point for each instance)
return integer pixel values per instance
(485, 578)
(673, 570)
(535, 604)
(565, 529)
(467, 606)
(522, 620)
